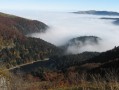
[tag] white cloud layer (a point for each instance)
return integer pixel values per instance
(65, 26)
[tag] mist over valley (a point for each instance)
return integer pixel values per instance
(59, 45)
(64, 26)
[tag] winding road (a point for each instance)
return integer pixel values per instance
(18, 66)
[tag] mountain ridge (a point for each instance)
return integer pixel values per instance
(23, 25)
(94, 12)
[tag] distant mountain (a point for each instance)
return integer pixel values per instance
(81, 42)
(84, 40)
(94, 12)
(116, 20)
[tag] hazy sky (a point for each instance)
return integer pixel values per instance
(59, 5)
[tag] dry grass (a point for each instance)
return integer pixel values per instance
(9, 81)
(110, 81)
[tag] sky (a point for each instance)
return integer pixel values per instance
(59, 5)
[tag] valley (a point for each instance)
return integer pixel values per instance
(45, 57)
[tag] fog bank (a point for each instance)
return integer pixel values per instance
(65, 26)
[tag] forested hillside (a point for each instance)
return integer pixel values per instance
(75, 72)
(100, 64)
(16, 48)
(58, 70)
(23, 25)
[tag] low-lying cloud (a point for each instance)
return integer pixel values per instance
(65, 26)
